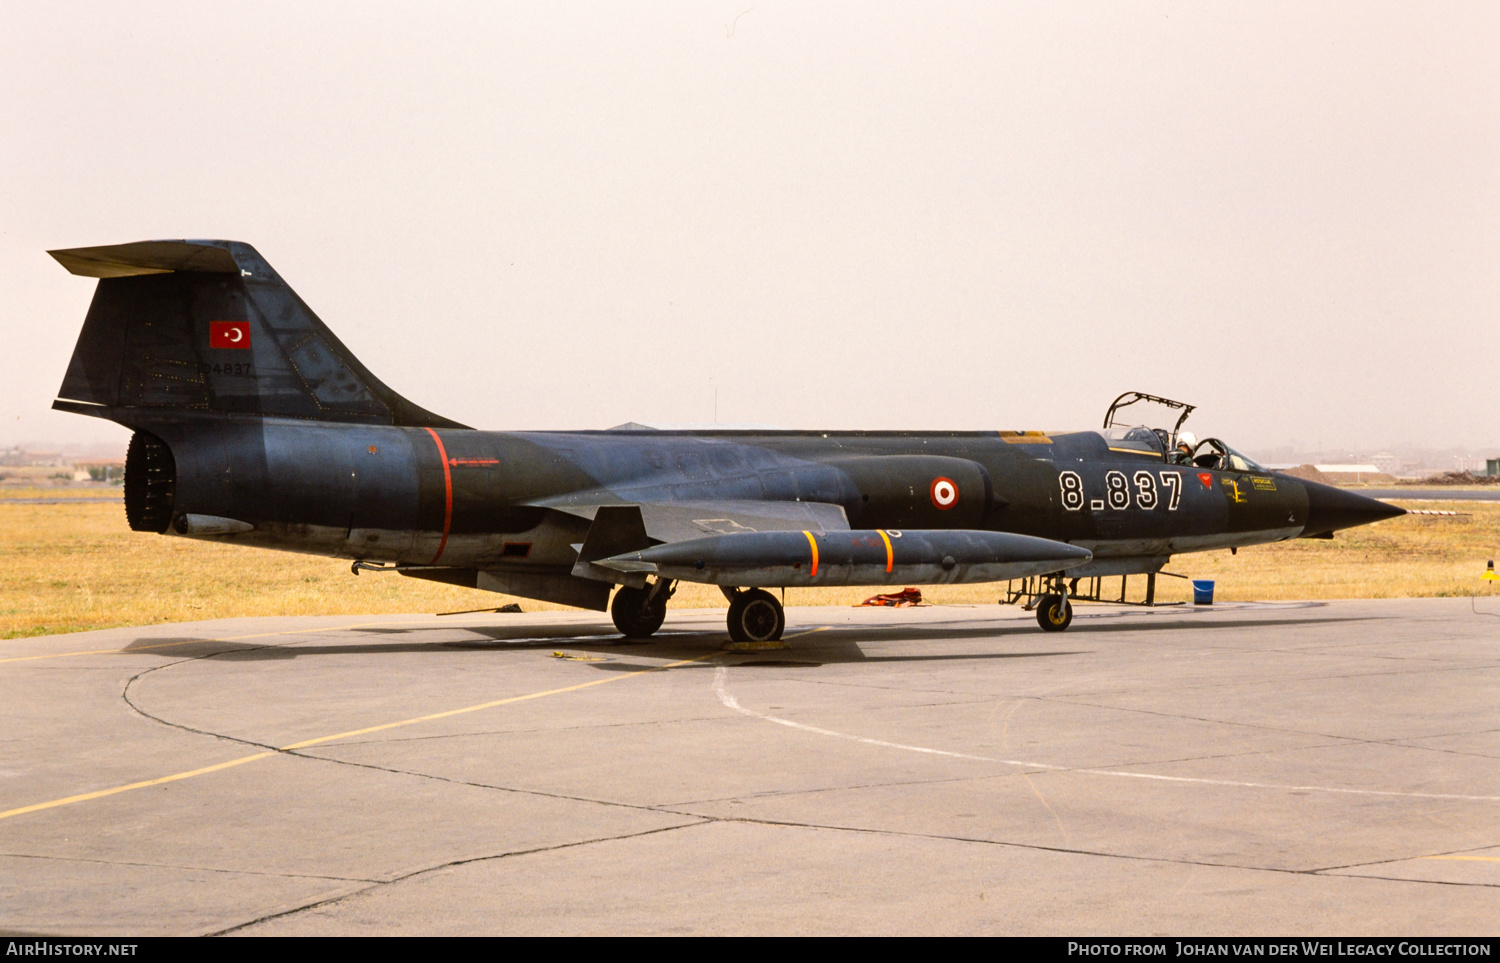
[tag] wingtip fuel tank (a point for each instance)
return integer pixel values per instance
(869, 557)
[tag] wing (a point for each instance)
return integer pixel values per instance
(680, 521)
(745, 543)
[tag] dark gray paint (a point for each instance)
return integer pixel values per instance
(294, 436)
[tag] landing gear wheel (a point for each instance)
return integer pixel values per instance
(636, 615)
(1054, 613)
(756, 616)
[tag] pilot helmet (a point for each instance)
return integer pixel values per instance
(1189, 439)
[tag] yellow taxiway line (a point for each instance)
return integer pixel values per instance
(1476, 859)
(100, 793)
(189, 774)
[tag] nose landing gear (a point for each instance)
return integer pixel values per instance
(1053, 611)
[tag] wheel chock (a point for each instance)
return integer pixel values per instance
(756, 646)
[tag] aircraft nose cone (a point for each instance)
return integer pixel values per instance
(1330, 509)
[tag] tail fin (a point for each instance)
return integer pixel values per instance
(209, 326)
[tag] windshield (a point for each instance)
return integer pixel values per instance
(1213, 453)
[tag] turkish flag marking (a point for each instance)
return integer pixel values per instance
(229, 334)
(1206, 479)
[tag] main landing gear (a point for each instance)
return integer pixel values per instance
(755, 616)
(639, 612)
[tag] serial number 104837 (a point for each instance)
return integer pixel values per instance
(239, 368)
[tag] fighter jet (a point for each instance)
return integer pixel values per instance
(254, 425)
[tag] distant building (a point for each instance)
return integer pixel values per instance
(1356, 474)
(1492, 466)
(99, 469)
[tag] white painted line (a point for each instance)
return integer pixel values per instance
(721, 675)
(720, 686)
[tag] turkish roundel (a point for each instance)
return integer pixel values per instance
(229, 334)
(944, 493)
(1206, 479)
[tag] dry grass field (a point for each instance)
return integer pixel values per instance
(60, 491)
(70, 567)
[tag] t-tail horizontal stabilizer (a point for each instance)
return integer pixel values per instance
(208, 326)
(871, 557)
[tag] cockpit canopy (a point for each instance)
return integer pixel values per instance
(1210, 453)
(1152, 440)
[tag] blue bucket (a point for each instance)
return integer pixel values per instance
(1203, 591)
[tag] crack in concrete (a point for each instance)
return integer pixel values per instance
(680, 809)
(1406, 859)
(700, 819)
(125, 695)
(703, 820)
(672, 808)
(130, 683)
(541, 793)
(465, 861)
(1073, 851)
(1407, 879)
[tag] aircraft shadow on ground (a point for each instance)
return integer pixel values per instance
(527, 631)
(610, 652)
(831, 645)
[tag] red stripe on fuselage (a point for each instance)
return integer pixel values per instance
(447, 495)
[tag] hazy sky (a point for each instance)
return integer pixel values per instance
(836, 215)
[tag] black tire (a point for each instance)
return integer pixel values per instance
(756, 616)
(1054, 613)
(736, 602)
(634, 615)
